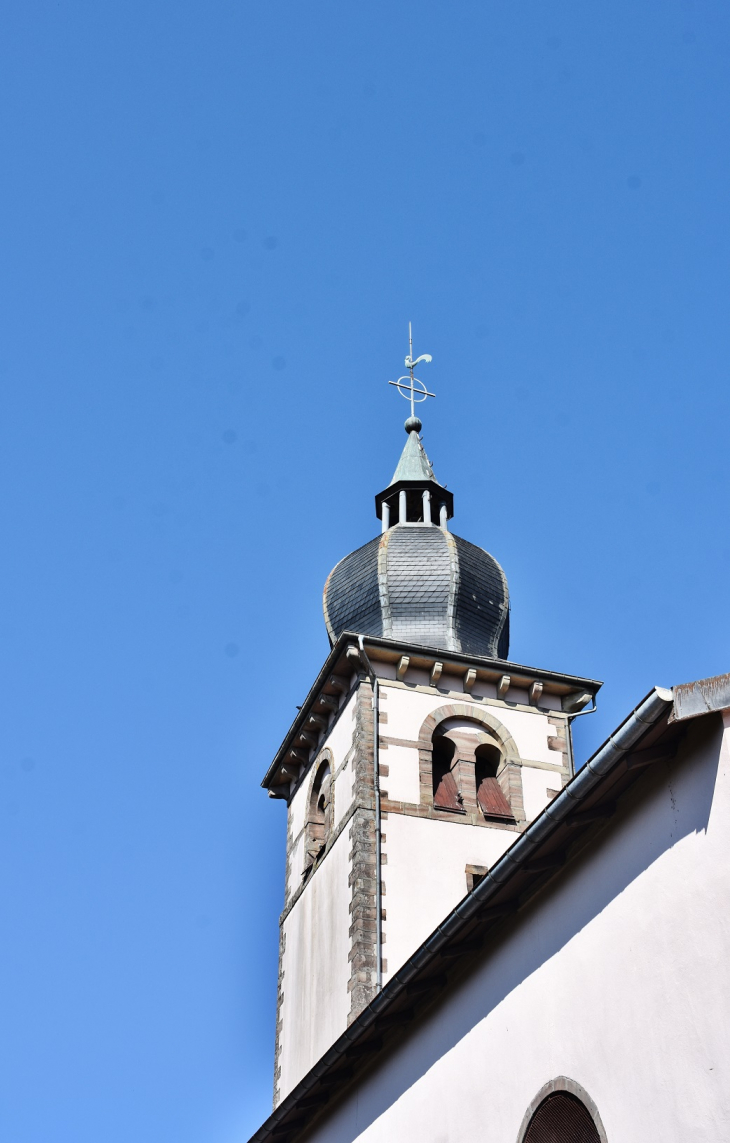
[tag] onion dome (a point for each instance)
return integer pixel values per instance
(417, 582)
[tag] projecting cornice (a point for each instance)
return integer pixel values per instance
(340, 673)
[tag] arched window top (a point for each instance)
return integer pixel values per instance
(468, 771)
(562, 1118)
(467, 734)
(467, 720)
(470, 726)
(562, 1113)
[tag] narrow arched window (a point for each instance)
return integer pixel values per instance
(319, 820)
(562, 1118)
(490, 796)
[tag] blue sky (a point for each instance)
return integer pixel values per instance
(217, 221)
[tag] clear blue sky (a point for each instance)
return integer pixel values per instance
(217, 221)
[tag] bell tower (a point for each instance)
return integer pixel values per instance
(419, 754)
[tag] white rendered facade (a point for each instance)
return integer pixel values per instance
(613, 979)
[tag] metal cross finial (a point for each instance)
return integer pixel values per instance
(410, 392)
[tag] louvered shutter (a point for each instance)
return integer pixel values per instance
(446, 794)
(492, 800)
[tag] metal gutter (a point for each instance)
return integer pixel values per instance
(588, 780)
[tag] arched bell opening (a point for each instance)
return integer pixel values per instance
(470, 765)
(319, 817)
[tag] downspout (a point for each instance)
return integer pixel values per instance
(569, 735)
(378, 838)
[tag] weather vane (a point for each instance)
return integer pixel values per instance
(411, 392)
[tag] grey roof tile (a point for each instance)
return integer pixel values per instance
(440, 591)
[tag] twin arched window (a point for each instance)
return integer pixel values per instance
(467, 766)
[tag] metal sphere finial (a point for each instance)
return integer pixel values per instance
(413, 425)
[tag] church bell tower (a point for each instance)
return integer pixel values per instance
(417, 756)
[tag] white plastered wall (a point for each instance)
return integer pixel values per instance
(316, 931)
(617, 978)
(425, 876)
(316, 969)
(339, 742)
(535, 787)
(339, 739)
(402, 783)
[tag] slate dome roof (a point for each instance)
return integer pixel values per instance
(417, 582)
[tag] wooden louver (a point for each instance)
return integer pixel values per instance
(446, 794)
(492, 800)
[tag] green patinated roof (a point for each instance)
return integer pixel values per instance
(413, 464)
